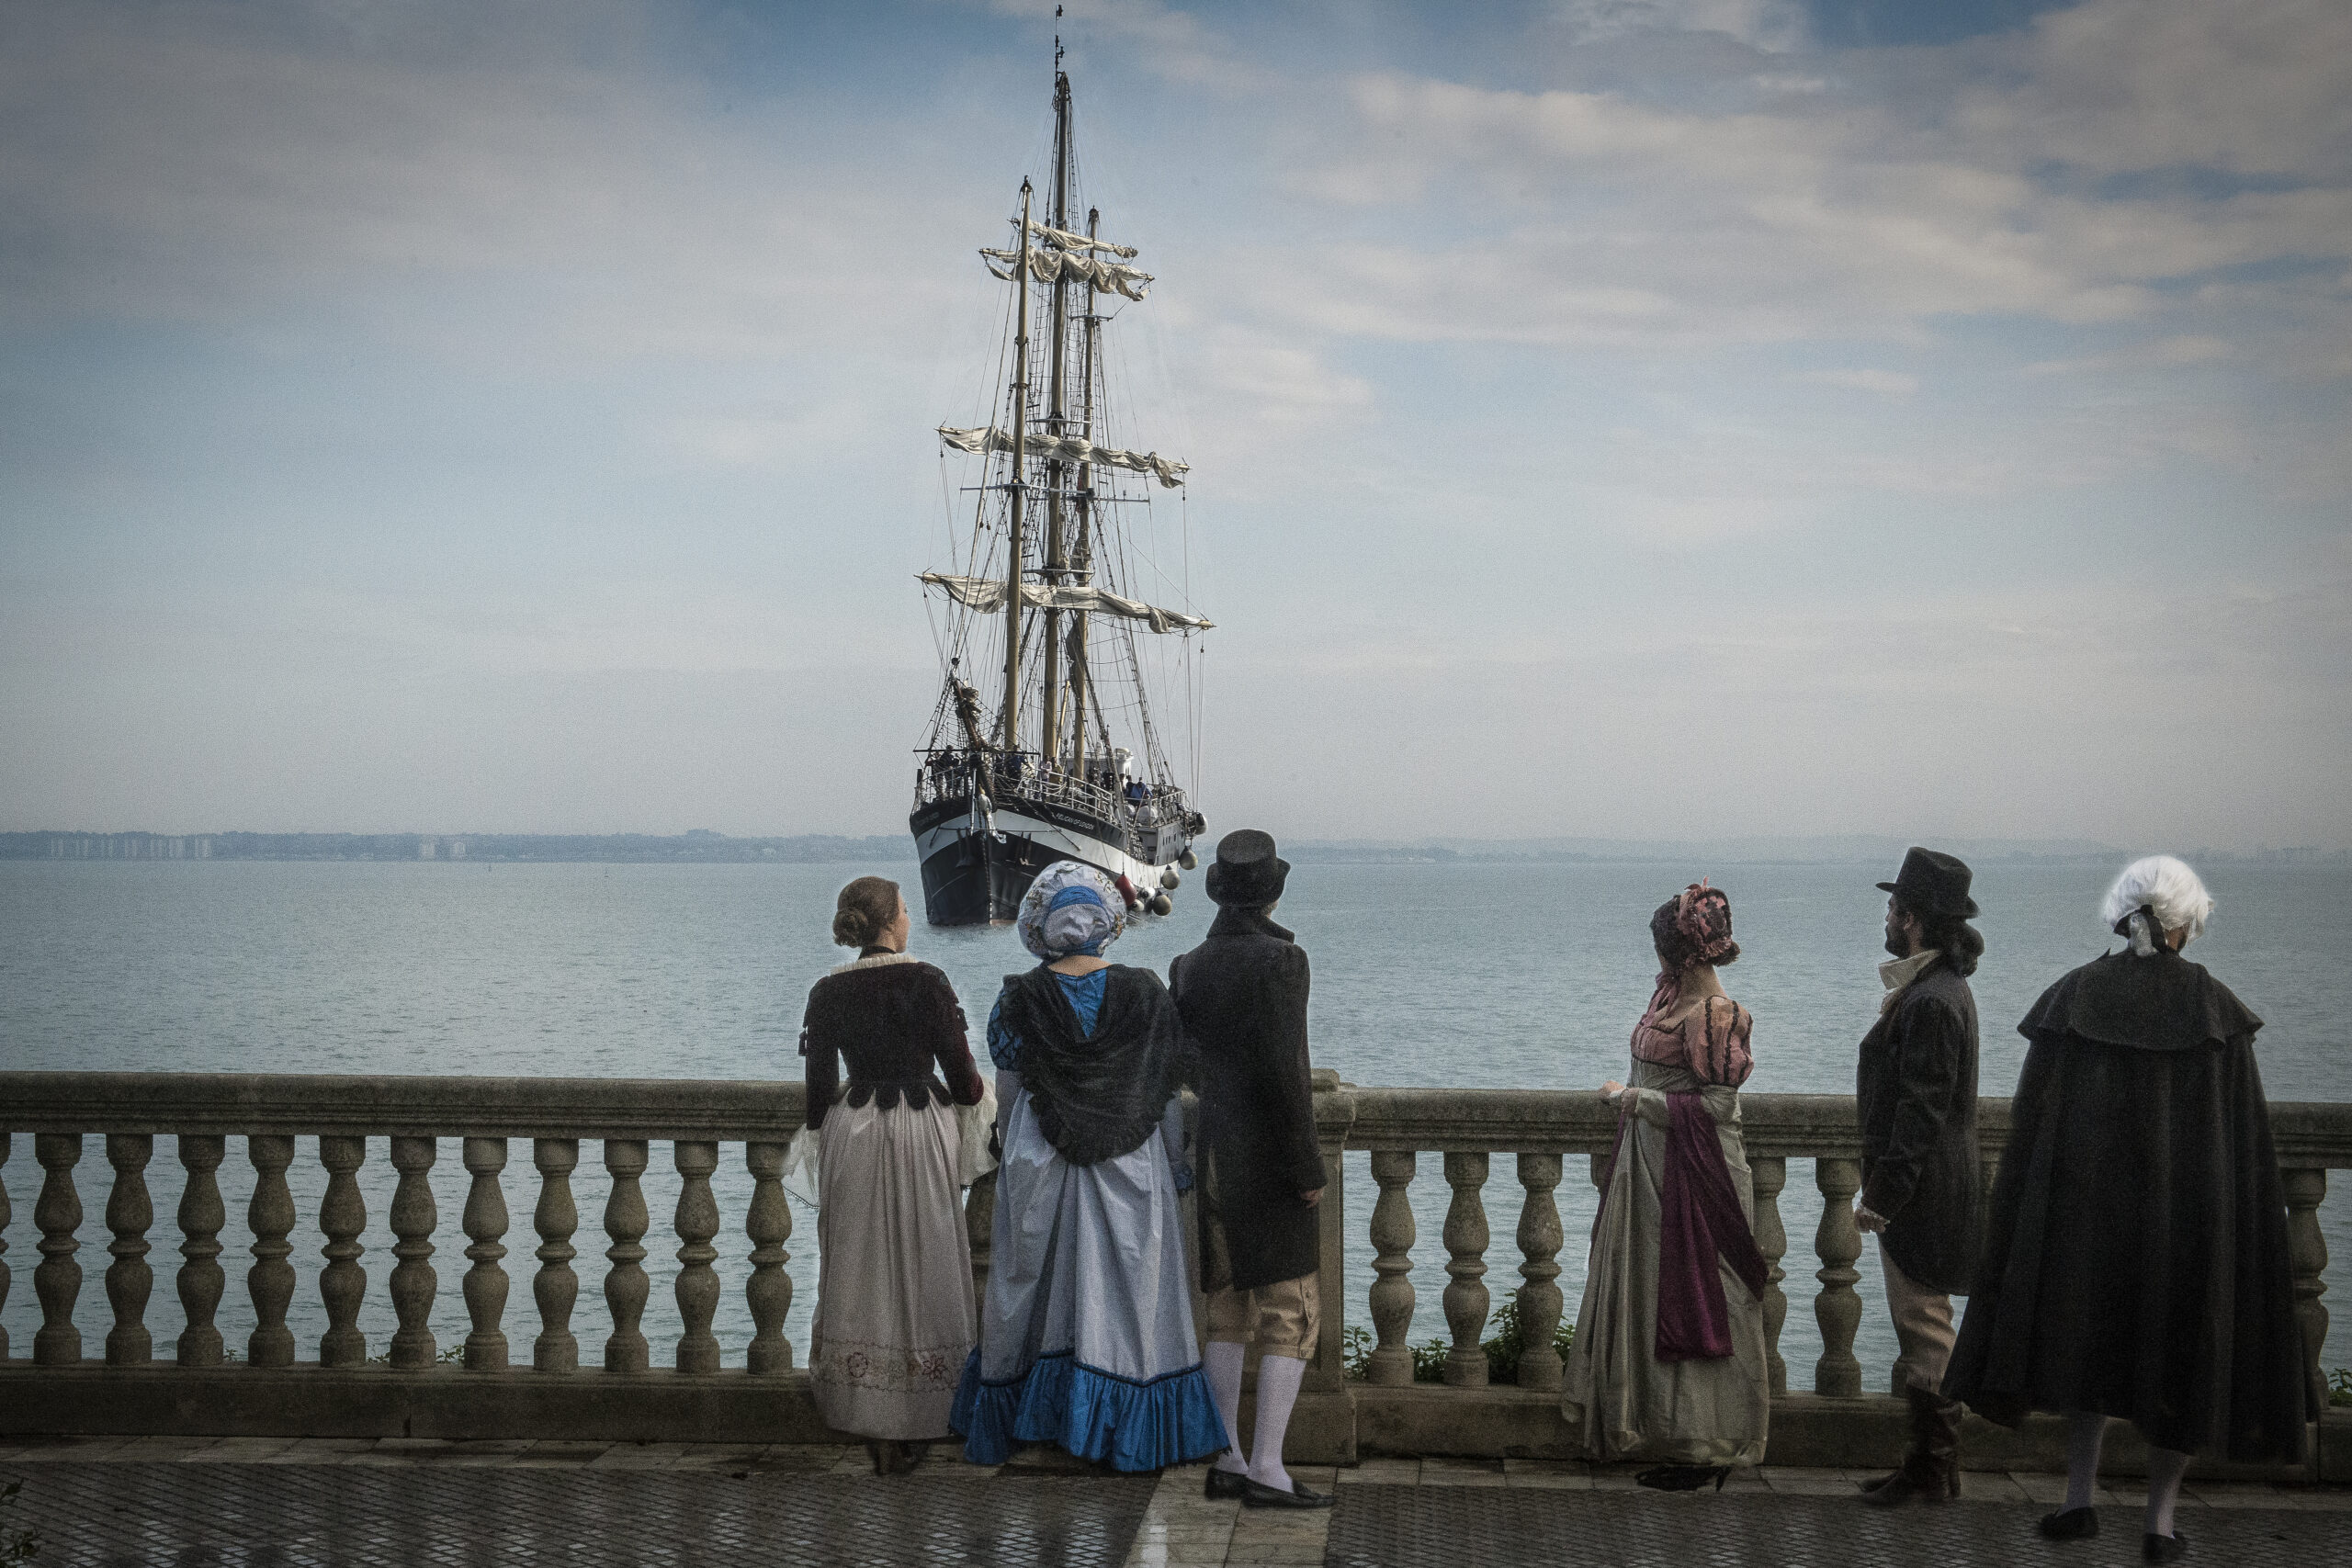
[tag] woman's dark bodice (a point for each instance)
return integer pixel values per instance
(892, 1022)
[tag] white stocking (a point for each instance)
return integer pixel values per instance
(2166, 1467)
(2086, 1431)
(1278, 1381)
(1222, 1364)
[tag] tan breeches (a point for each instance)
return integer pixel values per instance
(1282, 1318)
(1922, 1324)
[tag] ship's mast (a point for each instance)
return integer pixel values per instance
(1049, 727)
(1083, 557)
(1019, 482)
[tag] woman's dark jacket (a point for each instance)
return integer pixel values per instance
(891, 1021)
(1916, 1088)
(1098, 1094)
(1243, 995)
(2136, 1263)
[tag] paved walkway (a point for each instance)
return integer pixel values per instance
(277, 1502)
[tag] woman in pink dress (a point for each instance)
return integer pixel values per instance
(1668, 1362)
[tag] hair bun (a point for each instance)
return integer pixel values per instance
(852, 928)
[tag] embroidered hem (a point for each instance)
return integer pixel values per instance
(892, 1369)
(1095, 1415)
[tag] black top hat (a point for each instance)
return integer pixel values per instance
(1933, 884)
(1247, 872)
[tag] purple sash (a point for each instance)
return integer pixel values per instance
(1700, 1222)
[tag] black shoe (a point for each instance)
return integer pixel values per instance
(1258, 1494)
(1682, 1477)
(1223, 1486)
(2163, 1548)
(2071, 1524)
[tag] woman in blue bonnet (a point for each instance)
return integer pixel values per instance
(1086, 1333)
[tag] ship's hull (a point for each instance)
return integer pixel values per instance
(977, 866)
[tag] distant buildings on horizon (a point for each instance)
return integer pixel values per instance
(703, 846)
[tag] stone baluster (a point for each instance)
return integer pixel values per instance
(8, 1147)
(1391, 1364)
(57, 1279)
(2307, 1265)
(769, 1289)
(1837, 1309)
(270, 1282)
(555, 1287)
(343, 1284)
(413, 1282)
(626, 1286)
(130, 1280)
(1539, 1296)
(1771, 1174)
(201, 1279)
(698, 1285)
(1465, 1244)
(979, 1230)
(485, 1283)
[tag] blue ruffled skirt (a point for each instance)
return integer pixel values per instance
(1086, 1333)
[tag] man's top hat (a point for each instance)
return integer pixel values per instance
(1247, 872)
(1933, 884)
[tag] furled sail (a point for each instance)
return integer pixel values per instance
(985, 594)
(1056, 266)
(981, 440)
(1071, 241)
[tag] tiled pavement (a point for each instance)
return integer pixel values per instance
(1391, 1525)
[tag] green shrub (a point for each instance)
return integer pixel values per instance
(1503, 1352)
(2339, 1386)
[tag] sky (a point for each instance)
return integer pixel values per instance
(1620, 418)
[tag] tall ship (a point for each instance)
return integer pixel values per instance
(1065, 626)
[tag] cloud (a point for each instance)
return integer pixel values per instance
(1885, 383)
(1762, 24)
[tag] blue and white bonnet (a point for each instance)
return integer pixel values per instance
(1071, 908)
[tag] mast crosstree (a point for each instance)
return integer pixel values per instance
(1050, 778)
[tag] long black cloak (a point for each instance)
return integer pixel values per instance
(2136, 1262)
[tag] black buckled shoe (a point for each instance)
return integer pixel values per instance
(1223, 1486)
(2163, 1548)
(1258, 1494)
(2071, 1524)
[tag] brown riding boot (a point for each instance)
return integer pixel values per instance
(1930, 1470)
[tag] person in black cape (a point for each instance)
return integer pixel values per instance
(1242, 995)
(2136, 1260)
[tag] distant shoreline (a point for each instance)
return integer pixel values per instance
(704, 847)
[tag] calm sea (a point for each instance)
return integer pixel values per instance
(1436, 975)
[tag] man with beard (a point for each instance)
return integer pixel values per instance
(1921, 1190)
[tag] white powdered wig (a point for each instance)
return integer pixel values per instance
(2164, 886)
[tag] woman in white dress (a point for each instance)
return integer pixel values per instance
(895, 1317)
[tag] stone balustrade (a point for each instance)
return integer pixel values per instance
(1452, 1136)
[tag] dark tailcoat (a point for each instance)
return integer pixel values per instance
(1916, 1088)
(1243, 996)
(2136, 1262)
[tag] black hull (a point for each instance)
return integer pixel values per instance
(972, 878)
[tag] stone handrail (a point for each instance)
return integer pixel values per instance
(355, 1118)
(1539, 1126)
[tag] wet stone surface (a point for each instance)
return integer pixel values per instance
(1452, 1527)
(133, 1515)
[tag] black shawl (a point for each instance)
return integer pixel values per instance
(2136, 1259)
(1101, 1095)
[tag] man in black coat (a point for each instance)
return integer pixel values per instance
(1242, 995)
(1915, 1084)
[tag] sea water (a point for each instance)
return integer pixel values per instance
(1488, 975)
